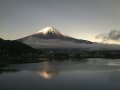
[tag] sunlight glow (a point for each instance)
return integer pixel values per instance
(47, 74)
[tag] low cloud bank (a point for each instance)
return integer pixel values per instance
(113, 35)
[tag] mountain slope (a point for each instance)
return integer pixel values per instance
(14, 48)
(16, 52)
(50, 37)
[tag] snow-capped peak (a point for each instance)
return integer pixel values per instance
(49, 30)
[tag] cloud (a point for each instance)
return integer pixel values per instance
(113, 35)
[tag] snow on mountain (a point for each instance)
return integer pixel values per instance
(49, 30)
(50, 37)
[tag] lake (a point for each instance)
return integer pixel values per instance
(87, 74)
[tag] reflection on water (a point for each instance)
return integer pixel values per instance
(47, 74)
(48, 71)
(94, 74)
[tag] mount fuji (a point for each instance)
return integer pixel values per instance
(50, 37)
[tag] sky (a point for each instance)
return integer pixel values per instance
(82, 19)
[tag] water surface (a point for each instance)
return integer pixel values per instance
(92, 74)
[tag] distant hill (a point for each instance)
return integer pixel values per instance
(15, 52)
(1, 39)
(14, 47)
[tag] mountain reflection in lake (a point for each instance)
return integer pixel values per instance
(95, 74)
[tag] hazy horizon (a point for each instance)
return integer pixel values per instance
(82, 19)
